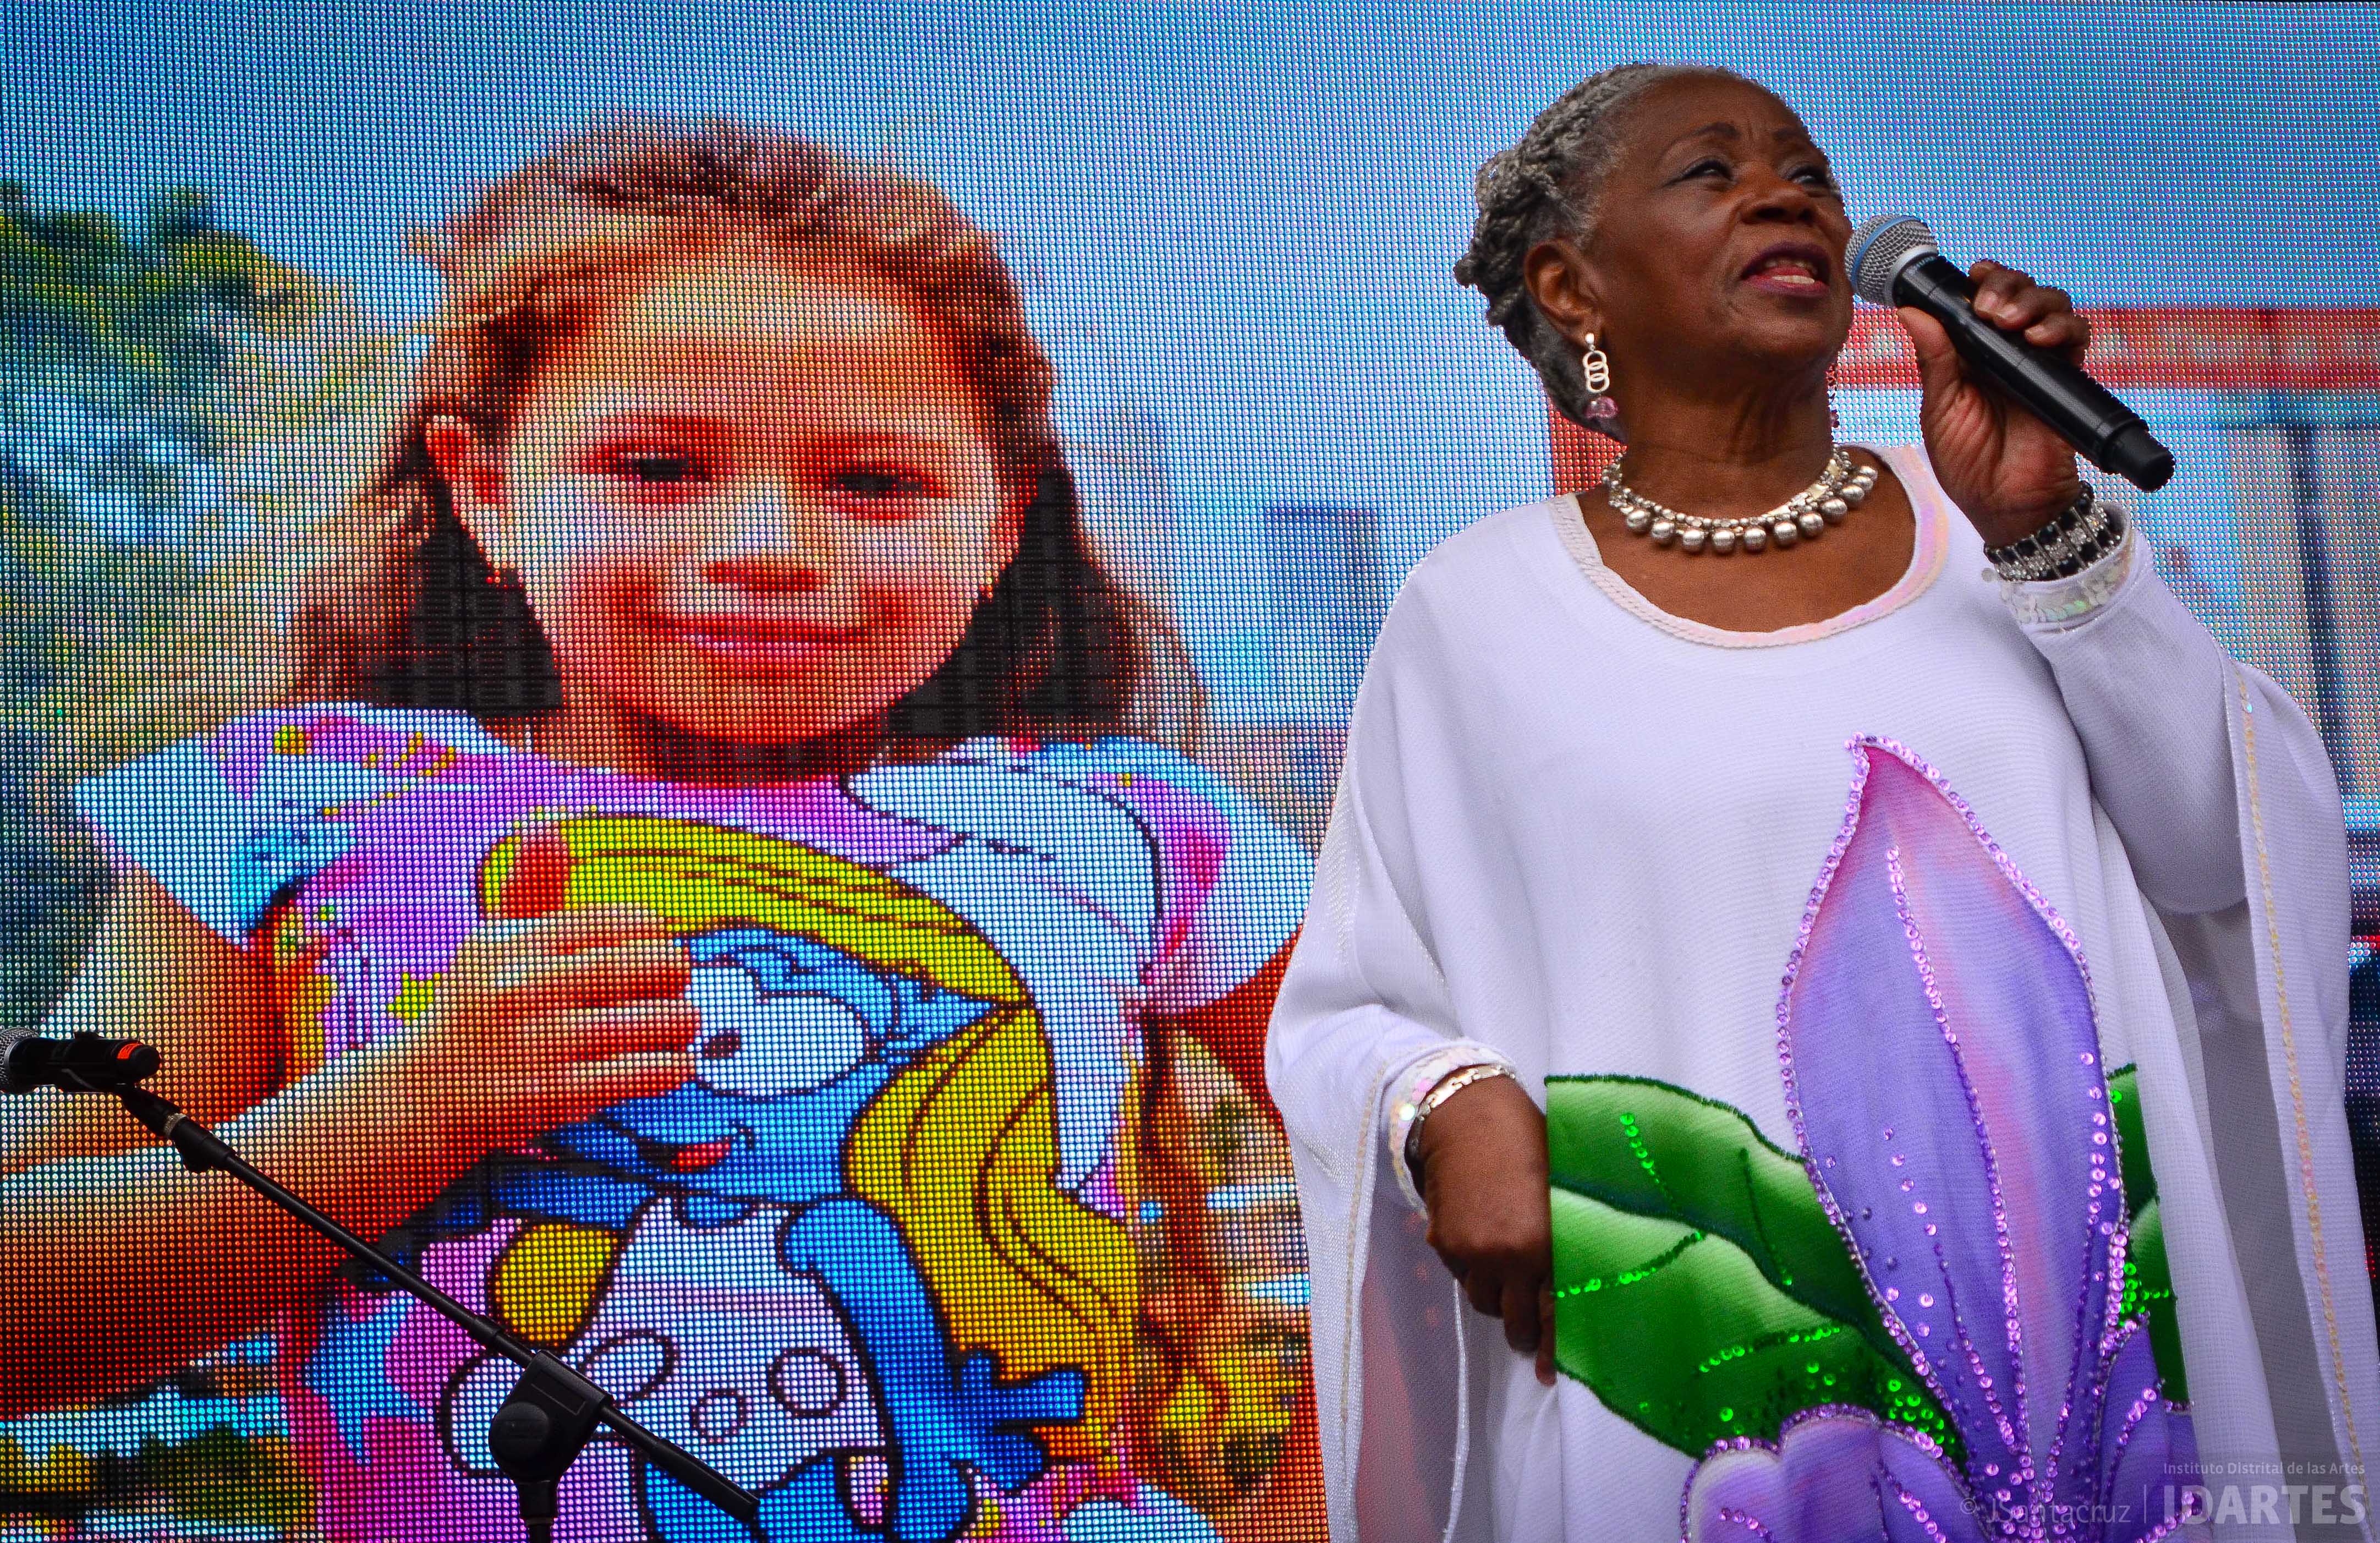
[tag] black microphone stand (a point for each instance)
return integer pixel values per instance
(553, 1411)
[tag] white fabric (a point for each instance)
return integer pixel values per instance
(1581, 834)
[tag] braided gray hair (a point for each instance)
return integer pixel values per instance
(1548, 184)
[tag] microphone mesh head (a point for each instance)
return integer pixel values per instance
(1878, 249)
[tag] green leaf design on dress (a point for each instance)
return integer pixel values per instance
(1701, 1291)
(2148, 1281)
(1699, 1288)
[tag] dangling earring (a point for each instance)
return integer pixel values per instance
(1595, 365)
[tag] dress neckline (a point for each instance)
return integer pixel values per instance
(1932, 544)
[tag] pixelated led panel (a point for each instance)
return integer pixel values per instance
(970, 1218)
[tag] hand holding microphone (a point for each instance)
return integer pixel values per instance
(2007, 401)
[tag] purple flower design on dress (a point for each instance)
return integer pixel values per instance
(1941, 1063)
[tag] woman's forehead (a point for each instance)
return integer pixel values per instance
(1717, 108)
(732, 324)
(754, 293)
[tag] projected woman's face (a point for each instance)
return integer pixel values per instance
(756, 501)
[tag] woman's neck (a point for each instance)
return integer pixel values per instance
(620, 740)
(1726, 456)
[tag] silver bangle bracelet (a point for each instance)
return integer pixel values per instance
(1448, 1086)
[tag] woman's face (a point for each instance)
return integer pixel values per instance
(756, 500)
(1718, 241)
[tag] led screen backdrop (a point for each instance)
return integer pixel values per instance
(978, 1062)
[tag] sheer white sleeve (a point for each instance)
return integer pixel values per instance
(2146, 686)
(1362, 1010)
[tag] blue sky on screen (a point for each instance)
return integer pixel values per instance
(1244, 218)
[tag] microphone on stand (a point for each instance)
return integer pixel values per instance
(554, 1409)
(1893, 262)
(83, 1063)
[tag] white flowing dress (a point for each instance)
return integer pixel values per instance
(1578, 833)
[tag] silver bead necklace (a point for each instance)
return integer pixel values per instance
(1838, 490)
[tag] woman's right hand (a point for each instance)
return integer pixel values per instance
(541, 1021)
(1485, 1179)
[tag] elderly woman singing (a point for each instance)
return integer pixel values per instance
(1818, 942)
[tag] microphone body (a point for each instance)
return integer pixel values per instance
(1893, 260)
(83, 1063)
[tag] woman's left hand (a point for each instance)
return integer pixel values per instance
(2008, 469)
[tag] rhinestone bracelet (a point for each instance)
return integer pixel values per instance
(2082, 533)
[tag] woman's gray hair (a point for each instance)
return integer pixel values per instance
(1551, 184)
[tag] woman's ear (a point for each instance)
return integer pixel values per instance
(1556, 273)
(1008, 528)
(473, 474)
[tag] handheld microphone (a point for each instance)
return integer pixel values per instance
(1893, 262)
(84, 1063)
